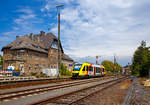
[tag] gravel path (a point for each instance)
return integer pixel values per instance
(141, 95)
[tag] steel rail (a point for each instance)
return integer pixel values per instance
(51, 100)
(48, 88)
(3, 83)
(94, 92)
(6, 93)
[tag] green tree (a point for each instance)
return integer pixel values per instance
(108, 65)
(141, 60)
(63, 70)
(118, 67)
(111, 67)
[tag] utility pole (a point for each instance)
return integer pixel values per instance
(97, 59)
(114, 64)
(58, 63)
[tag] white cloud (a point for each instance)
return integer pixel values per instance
(123, 3)
(24, 24)
(96, 27)
(26, 10)
(104, 26)
(26, 16)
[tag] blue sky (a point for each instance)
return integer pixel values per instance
(88, 27)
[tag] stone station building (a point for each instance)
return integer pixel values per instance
(68, 62)
(34, 52)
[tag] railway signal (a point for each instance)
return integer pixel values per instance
(97, 59)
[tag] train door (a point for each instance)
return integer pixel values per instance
(102, 71)
(87, 70)
(98, 72)
(94, 71)
(91, 71)
(83, 72)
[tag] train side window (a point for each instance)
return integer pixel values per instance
(87, 68)
(83, 68)
(91, 68)
(97, 70)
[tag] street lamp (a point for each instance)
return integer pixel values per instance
(58, 65)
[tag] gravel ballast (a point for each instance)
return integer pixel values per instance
(114, 95)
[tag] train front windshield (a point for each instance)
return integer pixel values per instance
(77, 67)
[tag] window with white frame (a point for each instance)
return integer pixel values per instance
(36, 56)
(19, 55)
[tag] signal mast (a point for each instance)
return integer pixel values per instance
(97, 59)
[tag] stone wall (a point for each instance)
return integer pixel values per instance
(68, 64)
(53, 58)
(30, 61)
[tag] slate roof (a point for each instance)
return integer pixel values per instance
(66, 57)
(37, 42)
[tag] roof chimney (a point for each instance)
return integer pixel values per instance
(17, 37)
(38, 39)
(31, 36)
(42, 33)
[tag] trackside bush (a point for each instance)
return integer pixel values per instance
(64, 71)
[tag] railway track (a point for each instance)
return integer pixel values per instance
(26, 92)
(75, 96)
(18, 84)
(26, 80)
(22, 83)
